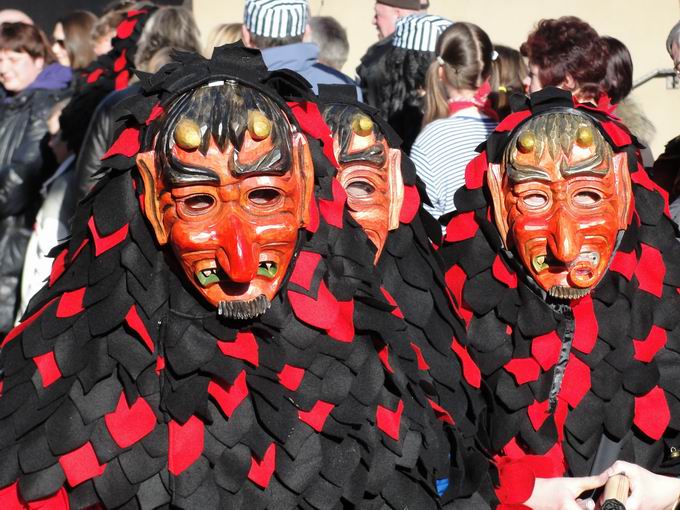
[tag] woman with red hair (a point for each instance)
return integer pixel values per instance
(567, 53)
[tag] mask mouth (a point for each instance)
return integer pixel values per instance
(210, 274)
(243, 310)
(568, 293)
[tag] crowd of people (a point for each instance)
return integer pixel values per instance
(476, 122)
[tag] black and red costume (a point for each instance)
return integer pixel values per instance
(564, 373)
(122, 388)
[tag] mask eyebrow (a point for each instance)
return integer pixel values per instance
(523, 173)
(178, 173)
(375, 154)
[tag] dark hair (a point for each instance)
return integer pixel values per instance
(262, 43)
(331, 38)
(619, 79)
(568, 46)
(508, 72)
(24, 38)
(466, 52)
(78, 37)
(401, 99)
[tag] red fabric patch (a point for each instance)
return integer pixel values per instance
(650, 270)
(185, 444)
(546, 350)
(624, 263)
(47, 366)
(303, 272)
(513, 120)
(81, 464)
(119, 63)
(652, 414)
(325, 312)
(126, 28)
(397, 311)
(244, 347)
(332, 210)
(70, 303)
(160, 364)
(383, 355)
(475, 171)
(229, 398)
(538, 412)
(95, 75)
(135, 322)
(290, 377)
(441, 413)
(389, 421)
(585, 324)
(503, 274)
(121, 81)
(422, 364)
(646, 349)
(455, 280)
(516, 481)
(576, 382)
(310, 120)
(313, 224)
(79, 250)
(24, 324)
(261, 472)
(156, 112)
(471, 371)
(104, 244)
(58, 267)
(317, 415)
(462, 226)
(618, 135)
(127, 144)
(10, 500)
(524, 370)
(129, 424)
(2, 384)
(411, 204)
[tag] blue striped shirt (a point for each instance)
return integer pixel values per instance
(442, 151)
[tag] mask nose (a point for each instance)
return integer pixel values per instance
(565, 241)
(237, 256)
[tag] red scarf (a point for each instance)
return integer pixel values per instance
(480, 101)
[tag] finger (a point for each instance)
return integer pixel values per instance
(634, 502)
(619, 467)
(570, 504)
(589, 482)
(586, 504)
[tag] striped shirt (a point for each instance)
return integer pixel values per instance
(442, 151)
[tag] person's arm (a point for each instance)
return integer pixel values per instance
(427, 175)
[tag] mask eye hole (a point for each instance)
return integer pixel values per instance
(195, 205)
(535, 200)
(265, 197)
(360, 189)
(587, 198)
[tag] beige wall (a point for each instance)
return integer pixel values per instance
(642, 26)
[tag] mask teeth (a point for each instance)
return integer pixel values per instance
(243, 310)
(561, 292)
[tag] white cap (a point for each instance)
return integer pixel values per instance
(419, 32)
(276, 18)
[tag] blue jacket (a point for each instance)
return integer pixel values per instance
(303, 59)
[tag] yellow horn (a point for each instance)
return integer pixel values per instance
(259, 126)
(188, 135)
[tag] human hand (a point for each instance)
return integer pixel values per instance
(563, 493)
(648, 491)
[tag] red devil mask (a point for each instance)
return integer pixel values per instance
(370, 171)
(228, 187)
(560, 199)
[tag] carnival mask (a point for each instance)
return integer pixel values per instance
(370, 171)
(228, 187)
(560, 200)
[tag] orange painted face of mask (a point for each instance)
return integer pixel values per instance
(560, 200)
(231, 212)
(370, 172)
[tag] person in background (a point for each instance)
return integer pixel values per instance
(72, 38)
(34, 83)
(331, 38)
(280, 30)
(104, 30)
(567, 53)
(14, 16)
(508, 72)
(226, 33)
(458, 116)
(618, 84)
(372, 70)
(402, 96)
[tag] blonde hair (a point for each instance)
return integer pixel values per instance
(464, 53)
(226, 33)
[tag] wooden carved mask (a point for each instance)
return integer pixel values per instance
(370, 171)
(228, 187)
(560, 199)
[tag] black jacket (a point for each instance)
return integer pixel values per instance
(23, 168)
(372, 71)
